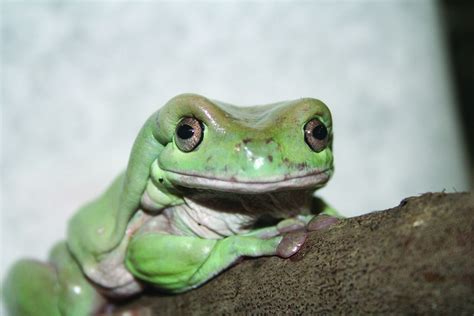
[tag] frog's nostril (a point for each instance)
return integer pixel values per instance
(247, 140)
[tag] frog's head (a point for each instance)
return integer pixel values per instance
(215, 146)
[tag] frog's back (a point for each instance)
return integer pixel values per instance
(93, 223)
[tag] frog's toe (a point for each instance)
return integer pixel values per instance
(290, 225)
(291, 244)
(321, 222)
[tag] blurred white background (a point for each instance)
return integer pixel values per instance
(79, 80)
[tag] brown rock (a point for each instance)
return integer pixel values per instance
(416, 258)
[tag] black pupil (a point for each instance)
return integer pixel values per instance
(185, 131)
(320, 132)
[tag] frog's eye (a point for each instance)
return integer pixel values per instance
(316, 135)
(188, 134)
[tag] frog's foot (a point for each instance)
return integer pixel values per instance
(59, 288)
(320, 222)
(291, 243)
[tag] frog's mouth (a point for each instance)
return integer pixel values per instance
(311, 180)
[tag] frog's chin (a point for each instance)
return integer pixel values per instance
(311, 180)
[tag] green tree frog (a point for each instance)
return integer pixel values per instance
(207, 183)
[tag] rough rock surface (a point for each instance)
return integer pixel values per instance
(415, 258)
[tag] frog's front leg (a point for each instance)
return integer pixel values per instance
(299, 223)
(178, 263)
(50, 289)
(325, 216)
(284, 226)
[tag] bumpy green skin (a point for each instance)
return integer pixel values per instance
(252, 146)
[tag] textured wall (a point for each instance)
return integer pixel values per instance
(80, 79)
